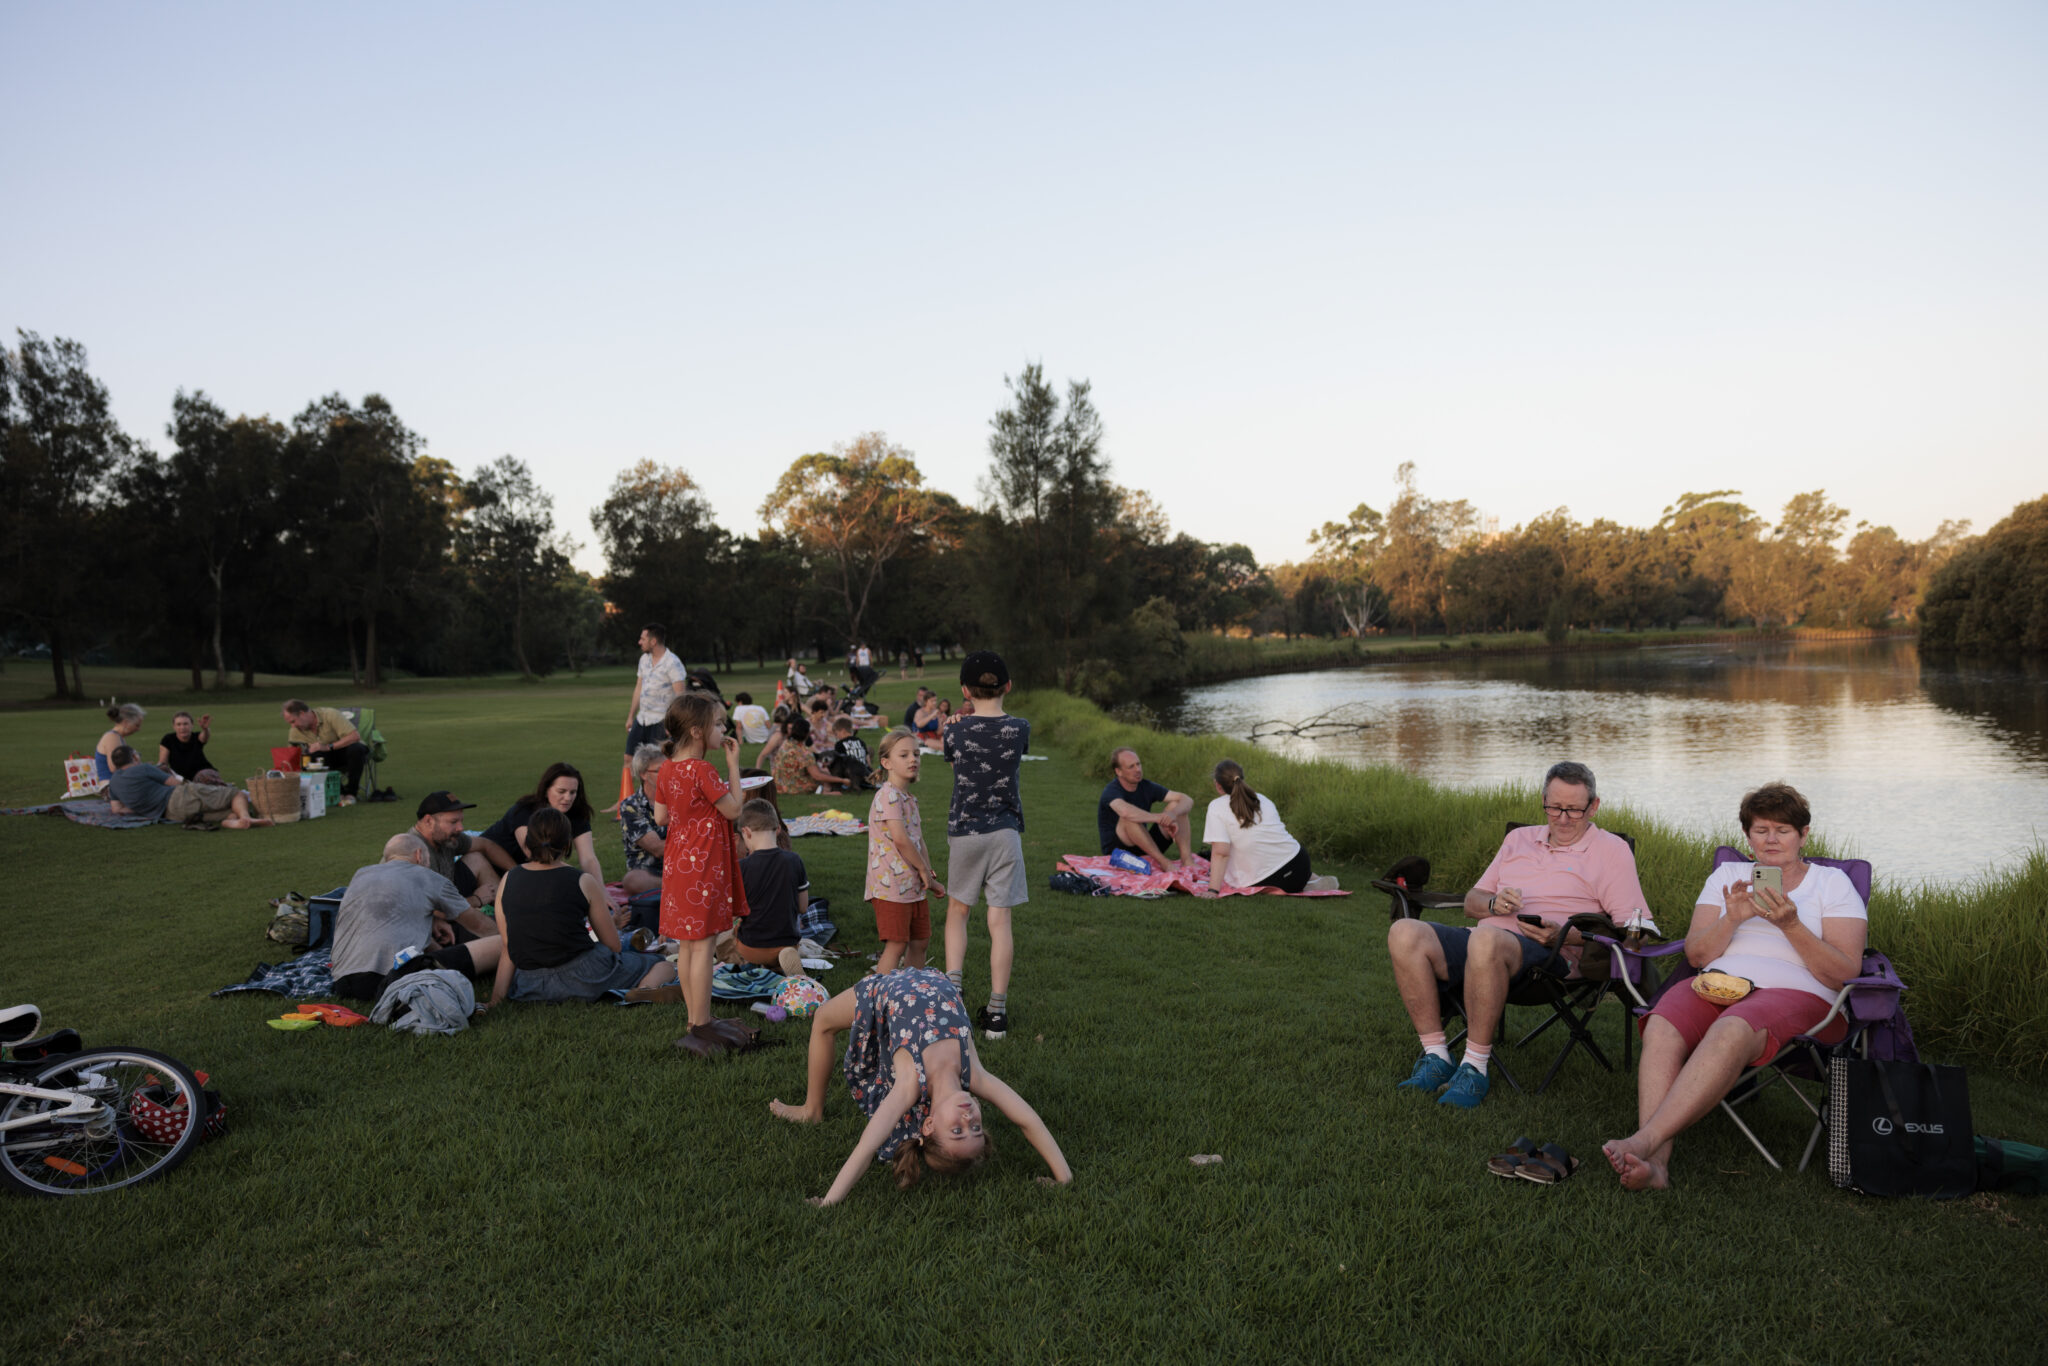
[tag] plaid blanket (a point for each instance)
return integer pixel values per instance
(86, 811)
(310, 974)
(1192, 874)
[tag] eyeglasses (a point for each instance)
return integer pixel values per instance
(1566, 813)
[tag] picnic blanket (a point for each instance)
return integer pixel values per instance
(86, 811)
(1192, 874)
(824, 823)
(310, 974)
(744, 982)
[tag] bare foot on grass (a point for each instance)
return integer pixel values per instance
(1637, 1170)
(793, 1113)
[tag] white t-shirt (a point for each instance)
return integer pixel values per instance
(752, 719)
(1759, 950)
(862, 658)
(1258, 850)
(658, 686)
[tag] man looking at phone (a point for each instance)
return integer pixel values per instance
(1541, 877)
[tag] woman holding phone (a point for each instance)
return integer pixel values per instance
(1788, 933)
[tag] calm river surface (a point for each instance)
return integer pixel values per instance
(1934, 770)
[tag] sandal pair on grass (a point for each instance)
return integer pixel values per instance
(1545, 1164)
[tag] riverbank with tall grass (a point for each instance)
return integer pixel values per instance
(1974, 954)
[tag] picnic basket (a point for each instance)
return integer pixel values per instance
(276, 795)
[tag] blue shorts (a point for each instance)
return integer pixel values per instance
(1455, 940)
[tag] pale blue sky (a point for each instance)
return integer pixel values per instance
(1580, 254)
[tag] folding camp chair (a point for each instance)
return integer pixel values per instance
(1571, 1000)
(1866, 1002)
(364, 719)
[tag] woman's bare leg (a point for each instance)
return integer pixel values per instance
(661, 974)
(1643, 1159)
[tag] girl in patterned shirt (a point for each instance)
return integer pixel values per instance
(911, 1067)
(900, 874)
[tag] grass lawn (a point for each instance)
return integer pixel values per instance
(558, 1182)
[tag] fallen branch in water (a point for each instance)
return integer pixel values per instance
(1348, 719)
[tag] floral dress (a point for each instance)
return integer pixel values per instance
(701, 890)
(911, 1009)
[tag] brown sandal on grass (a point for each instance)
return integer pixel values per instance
(1509, 1163)
(1548, 1165)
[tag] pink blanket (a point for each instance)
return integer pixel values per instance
(1193, 879)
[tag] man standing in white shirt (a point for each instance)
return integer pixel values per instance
(660, 682)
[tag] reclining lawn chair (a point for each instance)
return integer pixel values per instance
(1571, 1000)
(1869, 1002)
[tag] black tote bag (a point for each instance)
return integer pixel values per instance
(1900, 1128)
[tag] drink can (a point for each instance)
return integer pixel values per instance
(404, 956)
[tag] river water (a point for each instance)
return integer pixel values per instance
(1935, 770)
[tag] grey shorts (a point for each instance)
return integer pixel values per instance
(585, 977)
(988, 867)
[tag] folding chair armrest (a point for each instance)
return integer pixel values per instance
(1619, 965)
(1409, 902)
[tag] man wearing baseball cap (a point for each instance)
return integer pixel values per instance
(439, 823)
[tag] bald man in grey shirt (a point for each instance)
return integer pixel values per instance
(397, 904)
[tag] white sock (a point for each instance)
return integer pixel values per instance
(1476, 1056)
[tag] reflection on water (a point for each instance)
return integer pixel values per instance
(1932, 769)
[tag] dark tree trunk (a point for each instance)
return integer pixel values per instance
(373, 679)
(57, 653)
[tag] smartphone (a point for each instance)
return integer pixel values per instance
(1532, 920)
(1773, 878)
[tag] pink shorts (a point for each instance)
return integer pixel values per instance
(1782, 1013)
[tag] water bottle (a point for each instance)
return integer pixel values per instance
(1126, 861)
(404, 956)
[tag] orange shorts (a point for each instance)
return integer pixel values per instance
(900, 922)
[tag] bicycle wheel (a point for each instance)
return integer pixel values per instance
(131, 1136)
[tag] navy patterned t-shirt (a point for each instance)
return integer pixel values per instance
(985, 752)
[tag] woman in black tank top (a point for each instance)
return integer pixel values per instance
(543, 907)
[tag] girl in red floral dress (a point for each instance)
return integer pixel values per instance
(701, 891)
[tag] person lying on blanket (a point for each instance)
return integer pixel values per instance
(1248, 844)
(1124, 818)
(1551, 872)
(140, 789)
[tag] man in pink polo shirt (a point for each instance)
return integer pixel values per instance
(1568, 866)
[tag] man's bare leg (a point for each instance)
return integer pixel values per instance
(1417, 956)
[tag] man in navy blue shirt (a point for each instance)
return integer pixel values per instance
(1125, 820)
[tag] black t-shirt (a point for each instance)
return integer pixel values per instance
(505, 834)
(545, 926)
(910, 715)
(187, 757)
(1145, 795)
(773, 878)
(854, 750)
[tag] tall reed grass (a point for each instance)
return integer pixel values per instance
(1974, 955)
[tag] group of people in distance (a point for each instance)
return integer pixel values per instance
(1794, 931)
(1248, 843)
(183, 784)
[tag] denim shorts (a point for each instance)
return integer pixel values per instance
(1455, 941)
(586, 977)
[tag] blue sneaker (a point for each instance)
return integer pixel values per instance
(1430, 1073)
(1467, 1088)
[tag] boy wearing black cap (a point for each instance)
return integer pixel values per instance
(985, 827)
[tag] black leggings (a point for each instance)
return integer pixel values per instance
(1291, 876)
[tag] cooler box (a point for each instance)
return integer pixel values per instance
(320, 912)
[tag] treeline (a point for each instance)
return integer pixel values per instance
(335, 540)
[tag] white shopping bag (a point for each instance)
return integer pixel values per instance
(312, 796)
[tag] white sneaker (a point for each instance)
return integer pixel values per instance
(1323, 882)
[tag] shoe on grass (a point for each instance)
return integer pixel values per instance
(1466, 1089)
(1430, 1074)
(993, 1024)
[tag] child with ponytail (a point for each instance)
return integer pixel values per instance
(1248, 845)
(701, 889)
(912, 1068)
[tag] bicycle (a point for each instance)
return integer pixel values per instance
(77, 1120)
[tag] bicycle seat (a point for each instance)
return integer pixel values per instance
(18, 1022)
(49, 1046)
